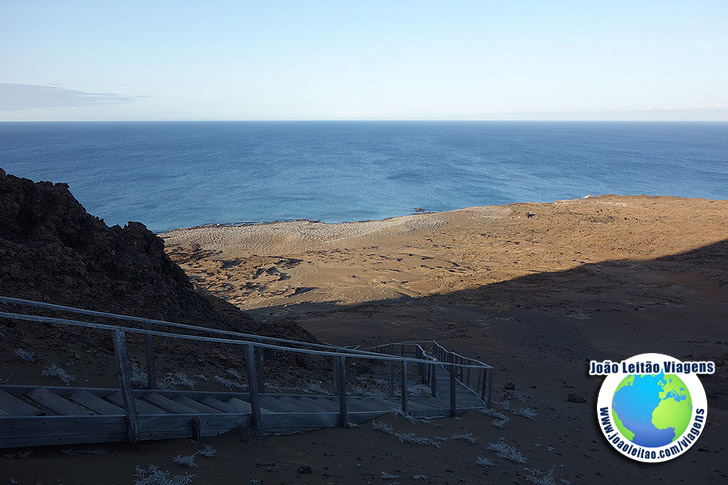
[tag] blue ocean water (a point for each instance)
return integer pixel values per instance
(182, 174)
(635, 403)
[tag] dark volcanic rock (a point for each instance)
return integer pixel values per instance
(52, 250)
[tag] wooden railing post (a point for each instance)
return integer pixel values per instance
(341, 377)
(151, 366)
(467, 376)
(259, 374)
(484, 375)
(404, 386)
(418, 354)
(490, 385)
(391, 378)
(433, 378)
(127, 395)
(453, 404)
(253, 387)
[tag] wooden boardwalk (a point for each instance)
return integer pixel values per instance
(36, 416)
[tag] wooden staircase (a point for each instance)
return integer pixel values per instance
(35, 416)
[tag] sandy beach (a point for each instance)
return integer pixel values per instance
(280, 267)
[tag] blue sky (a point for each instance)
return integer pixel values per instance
(270, 60)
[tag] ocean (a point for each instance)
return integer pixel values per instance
(181, 174)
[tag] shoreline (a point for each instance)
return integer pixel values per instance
(214, 225)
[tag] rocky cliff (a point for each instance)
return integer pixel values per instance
(52, 250)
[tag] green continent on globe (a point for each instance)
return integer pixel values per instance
(669, 408)
(675, 408)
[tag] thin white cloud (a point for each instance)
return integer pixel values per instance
(712, 107)
(14, 97)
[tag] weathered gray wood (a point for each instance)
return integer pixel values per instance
(254, 395)
(196, 429)
(18, 390)
(341, 362)
(95, 403)
(168, 404)
(260, 381)
(50, 430)
(403, 384)
(56, 403)
(335, 382)
(433, 378)
(333, 351)
(196, 405)
(325, 403)
(391, 378)
(149, 353)
(240, 405)
(280, 404)
(55, 430)
(122, 364)
(142, 407)
(483, 375)
(305, 405)
(210, 424)
(490, 386)
(17, 407)
(217, 404)
(453, 404)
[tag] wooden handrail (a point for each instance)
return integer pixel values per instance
(183, 336)
(149, 322)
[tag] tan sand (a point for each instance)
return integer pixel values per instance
(301, 262)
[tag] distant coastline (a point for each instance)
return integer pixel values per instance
(184, 174)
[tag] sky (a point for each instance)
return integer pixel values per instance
(363, 60)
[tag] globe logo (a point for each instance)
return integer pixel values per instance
(652, 410)
(651, 407)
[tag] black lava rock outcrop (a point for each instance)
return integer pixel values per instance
(52, 250)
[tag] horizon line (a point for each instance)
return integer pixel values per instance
(379, 120)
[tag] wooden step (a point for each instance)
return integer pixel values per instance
(304, 405)
(219, 405)
(281, 404)
(325, 403)
(56, 403)
(197, 406)
(167, 404)
(239, 404)
(142, 407)
(17, 407)
(95, 403)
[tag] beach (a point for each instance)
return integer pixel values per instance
(472, 254)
